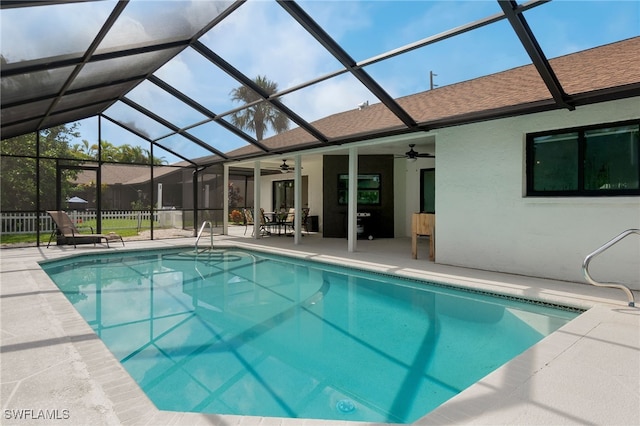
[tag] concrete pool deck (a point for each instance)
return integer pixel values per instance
(53, 366)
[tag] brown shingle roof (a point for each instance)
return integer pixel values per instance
(605, 67)
(613, 65)
(508, 88)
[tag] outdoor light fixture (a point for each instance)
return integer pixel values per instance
(285, 168)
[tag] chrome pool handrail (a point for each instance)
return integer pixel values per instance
(204, 224)
(605, 246)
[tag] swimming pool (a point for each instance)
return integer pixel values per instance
(236, 332)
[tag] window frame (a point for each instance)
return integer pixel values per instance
(423, 173)
(581, 191)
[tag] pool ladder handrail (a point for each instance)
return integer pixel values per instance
(605, 246)
(204, 224)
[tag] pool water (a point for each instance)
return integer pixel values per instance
(236, 332)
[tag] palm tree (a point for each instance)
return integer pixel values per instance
(261, 116)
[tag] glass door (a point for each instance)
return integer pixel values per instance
(283, 195)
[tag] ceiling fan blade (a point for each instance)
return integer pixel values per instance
(412, 154)
(285, 168)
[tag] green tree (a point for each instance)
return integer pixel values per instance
(156, 161)
(18, 165)
(128, 154)
(121, 154)
(259, 117)
(109, 152)
(18, 183)
(85, 150)
(131, 154)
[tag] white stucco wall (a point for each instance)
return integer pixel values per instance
(313, 170)
(401, 199)
(485, 221)
(408, 173)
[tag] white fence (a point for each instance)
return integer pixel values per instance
(27, 223)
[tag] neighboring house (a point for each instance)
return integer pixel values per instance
(125, 185)
(521, 186)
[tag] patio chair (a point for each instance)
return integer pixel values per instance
(305, 219)
(290, 220)
(248, 219)
(67, 233)
(266, 224)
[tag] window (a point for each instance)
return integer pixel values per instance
(592, 161)
(428, 190)
(368, 189)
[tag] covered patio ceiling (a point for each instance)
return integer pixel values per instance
(164, 70)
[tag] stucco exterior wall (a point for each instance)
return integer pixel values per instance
(311, 169)
(409, 174)
(402, 202)
(484, 220)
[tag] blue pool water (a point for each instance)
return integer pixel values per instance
(236, 332)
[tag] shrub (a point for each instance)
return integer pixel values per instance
(235, 216)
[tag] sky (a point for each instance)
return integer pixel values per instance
(260, 38)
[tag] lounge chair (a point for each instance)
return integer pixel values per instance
(67, 233)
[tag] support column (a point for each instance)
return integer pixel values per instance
(297, 201)
(225, 200)
(352, 231)
(257, 217)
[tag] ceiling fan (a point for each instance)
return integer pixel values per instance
(285, 168)
(414, 155)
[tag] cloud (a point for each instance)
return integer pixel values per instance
(177, 70)
(330, 97)
(341, 19)
(44, 31)
(261, 39)
(199, 12)
(265, 40)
